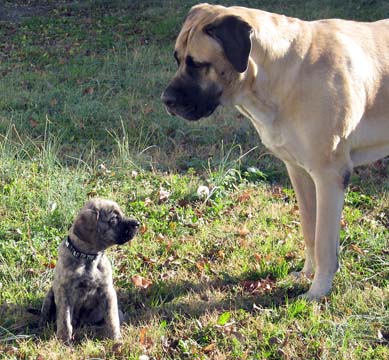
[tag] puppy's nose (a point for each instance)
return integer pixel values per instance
(169, 98)
(134, 223)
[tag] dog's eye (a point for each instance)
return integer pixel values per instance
(196, 64)
(177, 59)
(113, 220)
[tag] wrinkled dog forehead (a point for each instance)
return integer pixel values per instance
(102, 205)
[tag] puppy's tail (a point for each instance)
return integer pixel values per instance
(48, 309)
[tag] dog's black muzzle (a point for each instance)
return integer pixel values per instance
(127, 230)
(184, 97)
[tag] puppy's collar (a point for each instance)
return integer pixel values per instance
(77, 253)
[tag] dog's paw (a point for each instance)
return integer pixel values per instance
(311, 296)
(318, 291)
(65, 335)
(116, 336)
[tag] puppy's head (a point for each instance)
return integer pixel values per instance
(101, 224)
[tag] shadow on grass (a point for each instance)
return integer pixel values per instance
(164, 300)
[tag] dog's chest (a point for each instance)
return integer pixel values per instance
(273, 135)
(90, 279)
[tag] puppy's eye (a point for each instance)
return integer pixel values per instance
(113, 221)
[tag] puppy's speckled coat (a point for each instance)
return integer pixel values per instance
(82, 290)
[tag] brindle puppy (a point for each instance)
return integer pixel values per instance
(82, 291)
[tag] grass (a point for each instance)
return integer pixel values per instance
(80, 116)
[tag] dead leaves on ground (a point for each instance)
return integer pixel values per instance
(141, 282)
(258, 286)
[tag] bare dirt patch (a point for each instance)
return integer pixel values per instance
(20, 10)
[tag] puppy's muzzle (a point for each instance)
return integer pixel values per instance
(128, 229)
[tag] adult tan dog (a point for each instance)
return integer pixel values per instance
(317, 93)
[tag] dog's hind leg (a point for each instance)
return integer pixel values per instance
(48, 309)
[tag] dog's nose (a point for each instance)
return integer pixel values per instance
(135, 223)
(168, 98)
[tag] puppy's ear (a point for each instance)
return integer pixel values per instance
(234, 35)
(85, 224)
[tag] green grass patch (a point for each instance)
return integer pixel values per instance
(80, 116)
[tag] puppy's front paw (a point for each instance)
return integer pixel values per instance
(114, 335)
(65, 337)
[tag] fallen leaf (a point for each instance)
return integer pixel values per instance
(163, 195)
(92, 193)
(290, 255)
(221, 254)
(258, 286)
(33, 123)
(10, 350)
(89, 91)
(357, 249)
(143, 228)
(169, 244)
(141, 282)
(145, 340)
(146, 259)
(258, 257)
(117, 348)
(343, 223)
(243, 231)
(200, 266)
(209, 348)
(50, 265)
(148, 109)
(160, 238)
(244, 197)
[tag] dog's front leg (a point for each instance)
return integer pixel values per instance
(330, 190)
(306, 198)
(111, 315)
(64, 320)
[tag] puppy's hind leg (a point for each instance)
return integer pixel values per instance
(48, 309)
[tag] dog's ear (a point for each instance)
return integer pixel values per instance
(234, 35)
(86, 223)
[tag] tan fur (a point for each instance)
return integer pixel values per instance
(318, 95)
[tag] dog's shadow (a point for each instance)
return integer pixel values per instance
(162, 300)
(192, 299)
